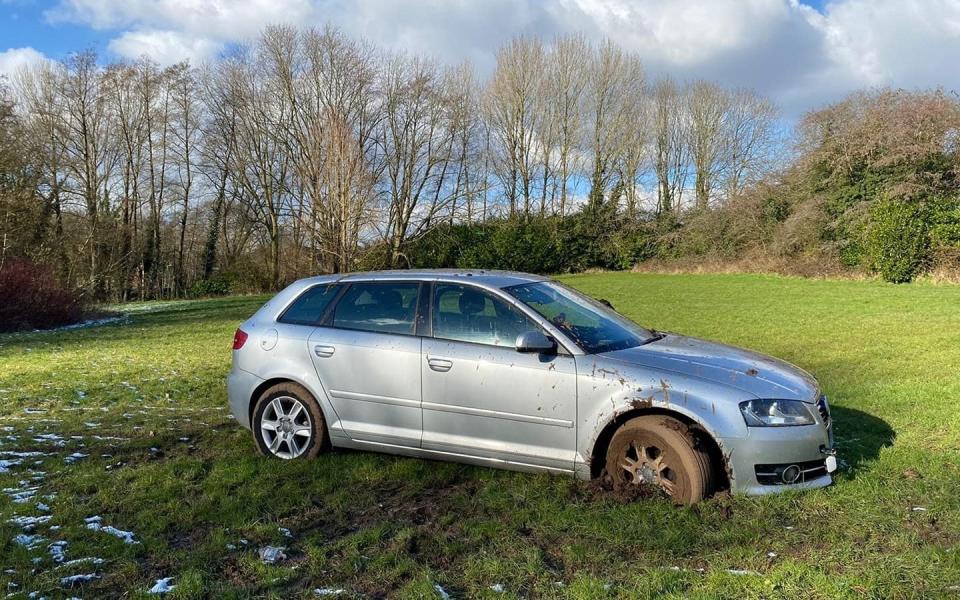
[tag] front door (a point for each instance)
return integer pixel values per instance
(483, 398)
(368, 358)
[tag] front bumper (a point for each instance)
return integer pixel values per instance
(765, 446)
(240, 387)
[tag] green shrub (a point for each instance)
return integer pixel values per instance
(898, 239)
(215, 286)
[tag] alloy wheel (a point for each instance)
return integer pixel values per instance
(286, 427)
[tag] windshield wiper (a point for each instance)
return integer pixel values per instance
(654, 336)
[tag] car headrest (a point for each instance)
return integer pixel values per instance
(472, 302)
(389, 298)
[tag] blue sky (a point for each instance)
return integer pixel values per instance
(800, 54)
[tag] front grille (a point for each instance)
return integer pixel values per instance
(823, 409)
(773, 474)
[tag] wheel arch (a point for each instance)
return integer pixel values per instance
(719, 463)
(269, 383)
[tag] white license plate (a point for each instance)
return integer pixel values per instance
(831, 464)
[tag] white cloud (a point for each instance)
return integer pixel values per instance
(795, 54)
(14, 59)
(165, 47)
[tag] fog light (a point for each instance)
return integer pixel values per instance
(791, 474)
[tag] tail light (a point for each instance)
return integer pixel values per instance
(239, 339)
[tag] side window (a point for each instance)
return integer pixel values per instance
(380, 307)
(466, 314)
(308, 308)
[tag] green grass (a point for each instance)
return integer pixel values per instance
(888, 356)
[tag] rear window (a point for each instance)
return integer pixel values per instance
(309, 307)
(379, 307)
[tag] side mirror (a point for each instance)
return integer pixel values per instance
(535, 341)
(606, 303)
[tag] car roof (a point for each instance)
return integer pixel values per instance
(482, 277)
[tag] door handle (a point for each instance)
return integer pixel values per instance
(323, 351)
(441, 365)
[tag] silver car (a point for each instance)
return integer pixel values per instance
(520, 372)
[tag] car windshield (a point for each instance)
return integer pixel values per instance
(593, 326)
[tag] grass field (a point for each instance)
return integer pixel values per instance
(127, 422)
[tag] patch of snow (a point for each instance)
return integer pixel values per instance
(95, 524)
(57, 440)
(91, 424)
(443, 593)
(272, 554)
(329, 591)
(42, 507)
(58, 551)
(497, 587)
(741, 572)
(6, 464)
(34, 411)
(772, 554)
(21, 496)
(78, 561)
(29, 523)
(72, 579)
(74, 457)
(162, 586)
(85, 324)
(284, 532)
(918, 509)
(29, 541)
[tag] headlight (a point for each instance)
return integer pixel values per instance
(776, 413)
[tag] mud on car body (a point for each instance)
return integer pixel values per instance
(517, 371)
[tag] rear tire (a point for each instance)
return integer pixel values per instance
(660, 451)
(288, 423)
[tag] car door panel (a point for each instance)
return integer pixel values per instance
(372, 378)
(373, 382)
(499, 403)
(488, 399)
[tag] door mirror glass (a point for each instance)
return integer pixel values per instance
(535, 341)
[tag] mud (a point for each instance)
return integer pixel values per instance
(602, 488)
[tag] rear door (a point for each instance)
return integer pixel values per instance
(483, 398)
(367, 355)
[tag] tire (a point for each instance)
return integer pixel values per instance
(659, 450)
(281, 430)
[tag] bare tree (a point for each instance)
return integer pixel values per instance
(185, 131)
(511, 104)
(40, 91)
(707, 107)
(670, 149)
(616, 82)
(564, 104)
(90, 156)
(751, 144)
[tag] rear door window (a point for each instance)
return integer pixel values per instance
(380, 307)
(309, 307)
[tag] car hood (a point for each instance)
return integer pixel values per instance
(751, 372)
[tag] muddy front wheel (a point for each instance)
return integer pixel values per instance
(658, 451)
